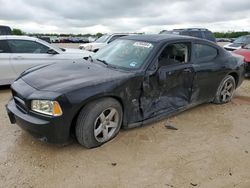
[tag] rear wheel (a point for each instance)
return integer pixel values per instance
(225, 91)
(99, 122)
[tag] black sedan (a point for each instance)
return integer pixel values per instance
(132, 81)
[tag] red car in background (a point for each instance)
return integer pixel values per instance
(245, 51)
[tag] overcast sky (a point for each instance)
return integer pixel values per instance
(107, 16)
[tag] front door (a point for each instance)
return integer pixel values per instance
(26, 54)
(169, 88)
(7, 73)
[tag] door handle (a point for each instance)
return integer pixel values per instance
(18, 58)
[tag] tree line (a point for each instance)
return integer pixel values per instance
(229, 34)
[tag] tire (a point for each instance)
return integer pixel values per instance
(225, 90)
(99, 122)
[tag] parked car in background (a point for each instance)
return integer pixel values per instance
(194, 32)
(238, 43)
(78, 40)
(130, 82)
(224, 40)
(245, 52)
(47, 39)
(18, 53)
(5, 30)
(101, 42)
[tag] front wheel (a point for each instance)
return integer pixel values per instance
(99, 122)
(225, 91)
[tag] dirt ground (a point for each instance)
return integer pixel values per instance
(210, 149)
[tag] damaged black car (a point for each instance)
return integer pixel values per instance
(133, 81)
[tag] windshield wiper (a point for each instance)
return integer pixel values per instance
(103, 61)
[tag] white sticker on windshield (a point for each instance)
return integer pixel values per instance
(142, 44)
(133, 64)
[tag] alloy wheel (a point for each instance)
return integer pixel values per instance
(106, 124)
(227, 91)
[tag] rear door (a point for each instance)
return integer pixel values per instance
(208, 71)
(28, 53)
(7, 73)
(170, 87)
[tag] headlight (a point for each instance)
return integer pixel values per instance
(47, 107)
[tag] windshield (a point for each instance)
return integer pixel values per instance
(102, 39)
(243, 40)
(125, 53)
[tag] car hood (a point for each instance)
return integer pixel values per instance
(244, 52)
(233, 45)
(77, 51)
(93, 45)
(61, 77)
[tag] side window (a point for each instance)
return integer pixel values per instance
(174, 54)
(26, 46)
(115, 37)
(204, 52)
(4, 48)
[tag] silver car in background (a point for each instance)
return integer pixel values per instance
(18, 53)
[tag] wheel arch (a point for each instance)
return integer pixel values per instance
(92, 99)
(235, 76)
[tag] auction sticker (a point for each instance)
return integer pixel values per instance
(143, 44)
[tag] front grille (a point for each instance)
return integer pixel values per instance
(19, 101)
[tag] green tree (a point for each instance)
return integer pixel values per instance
(17, 31)
(234, 34)
(99, 35)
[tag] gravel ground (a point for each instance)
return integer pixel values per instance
(211, 148)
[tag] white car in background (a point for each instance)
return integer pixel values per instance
(238, 43)
(18, 53)
(101, 42)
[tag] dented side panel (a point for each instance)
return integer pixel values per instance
(169, 89)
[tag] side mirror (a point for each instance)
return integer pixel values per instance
(51, 51)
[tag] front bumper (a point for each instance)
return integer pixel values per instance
(52, 130)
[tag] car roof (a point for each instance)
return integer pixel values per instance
(157, 37)
(17, 37)
(191, 29)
